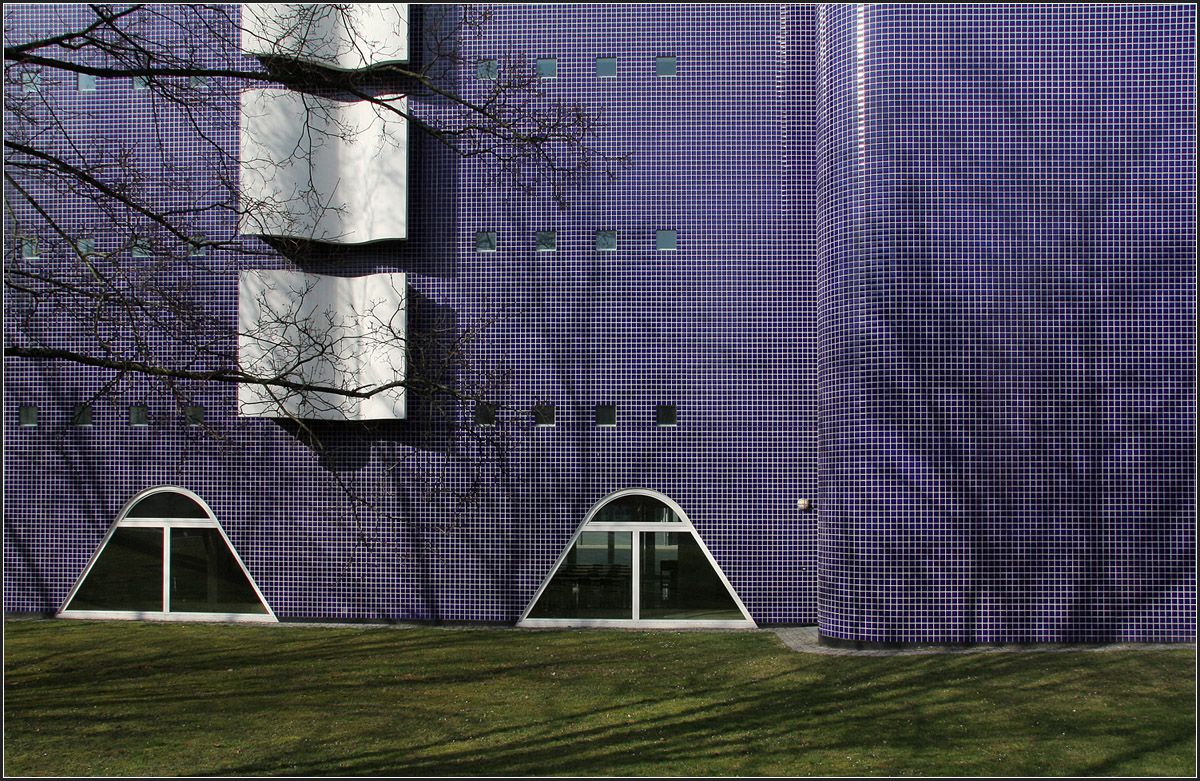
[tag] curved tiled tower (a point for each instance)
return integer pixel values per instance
(1006, 303)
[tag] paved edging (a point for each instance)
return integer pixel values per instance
(804, 639)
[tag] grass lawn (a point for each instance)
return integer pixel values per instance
(113, 698)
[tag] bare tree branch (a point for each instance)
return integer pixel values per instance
(119, 236)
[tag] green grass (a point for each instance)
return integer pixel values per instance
(111, 698)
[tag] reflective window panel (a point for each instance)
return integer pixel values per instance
(206, 578)
(594, 581)
(679, 583)
(128, 574)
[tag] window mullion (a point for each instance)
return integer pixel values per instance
(166, 585)
(637, 575)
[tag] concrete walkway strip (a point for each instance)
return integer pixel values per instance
(806, 640)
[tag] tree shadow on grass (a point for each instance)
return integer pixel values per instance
(417, 702)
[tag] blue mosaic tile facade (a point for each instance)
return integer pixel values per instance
(1008, 301)
(934, 270)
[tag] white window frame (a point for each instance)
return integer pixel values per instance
(166, 524)
(683, 526)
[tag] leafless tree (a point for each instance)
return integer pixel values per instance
(118, 235)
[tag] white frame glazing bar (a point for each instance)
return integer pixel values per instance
(166, 524)
(636, 528)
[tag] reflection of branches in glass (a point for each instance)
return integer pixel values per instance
(346, 334)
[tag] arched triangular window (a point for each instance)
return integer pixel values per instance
(166, 558)
(636, 560)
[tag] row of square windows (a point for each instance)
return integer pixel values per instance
(605, 415)
(485, 241)
(547, 68)
(31, 81)
(485, 415)
(139, 415)
(197, 246)
(606, 68)
(547, 241)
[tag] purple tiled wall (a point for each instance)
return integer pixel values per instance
(980, 232)
(1008, 311)
(723, 328)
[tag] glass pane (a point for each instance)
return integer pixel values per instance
(206, 578)
(635, 509)
(606, 67)
(595, 580)
(543, 414)
(81, 415)
(167, 504)
(139, 415)
(679, 583)
(127, 576)
(193, 415)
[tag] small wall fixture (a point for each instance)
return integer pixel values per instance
(805, 505)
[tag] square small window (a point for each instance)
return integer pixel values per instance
(139, 415)
(547, 241)
(141, 82)
(487, 69)
(665, 67)
(547, 68)
(606, 241)
(86, 82)
(198, 82)
(81, 415)
(543, 414)
(664, 240)
(85, 246)
(606, 414)
(485, 241)
(197, 247)
(485, 414)
(31, 81)
(193, 415)
(29, 248)
(29, 415)
(606, 67)
(664, 415)
(141, 248)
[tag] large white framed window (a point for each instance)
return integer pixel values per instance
(322, 332)
(166, 558)
(636, 560)
(326, 170)
(345, 36)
